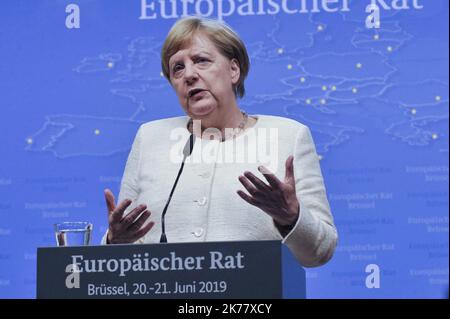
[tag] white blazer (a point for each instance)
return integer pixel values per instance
(205, 205)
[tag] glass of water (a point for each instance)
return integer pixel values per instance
(73, 233)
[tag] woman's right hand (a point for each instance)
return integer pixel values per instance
(125, 229)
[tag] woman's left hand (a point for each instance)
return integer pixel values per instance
(278, 199)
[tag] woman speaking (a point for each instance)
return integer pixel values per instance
(247, 177)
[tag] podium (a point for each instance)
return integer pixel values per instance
(225, 270)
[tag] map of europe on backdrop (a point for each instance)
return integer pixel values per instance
(376, 101)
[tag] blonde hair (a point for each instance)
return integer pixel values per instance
(224, 38)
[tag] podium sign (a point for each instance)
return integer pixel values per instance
(247, 269)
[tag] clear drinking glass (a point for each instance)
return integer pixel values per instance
(73, 233)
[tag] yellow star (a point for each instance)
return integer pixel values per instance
(324, 88)
(358, 65)
(289, 66)
(437, 98)
(413, 111)
(355, 90)
(390, 49)
(323, 101)
(334, 88)
(110, 64)
(280, 51)
(320, 157)
(320, 28)
(308, 101)
(97, 132)
(376, 37)
(302, 79)
(434, 136)
(29, 141)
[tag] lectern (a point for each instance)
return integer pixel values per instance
(243, 269)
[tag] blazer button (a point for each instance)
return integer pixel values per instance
(205, 174)
(202, 201)
(198, 232)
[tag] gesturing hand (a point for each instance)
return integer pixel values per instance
(278, 199)
(128, 229)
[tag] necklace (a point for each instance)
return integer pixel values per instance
(240, 127)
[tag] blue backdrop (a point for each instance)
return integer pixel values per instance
(376, 100)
